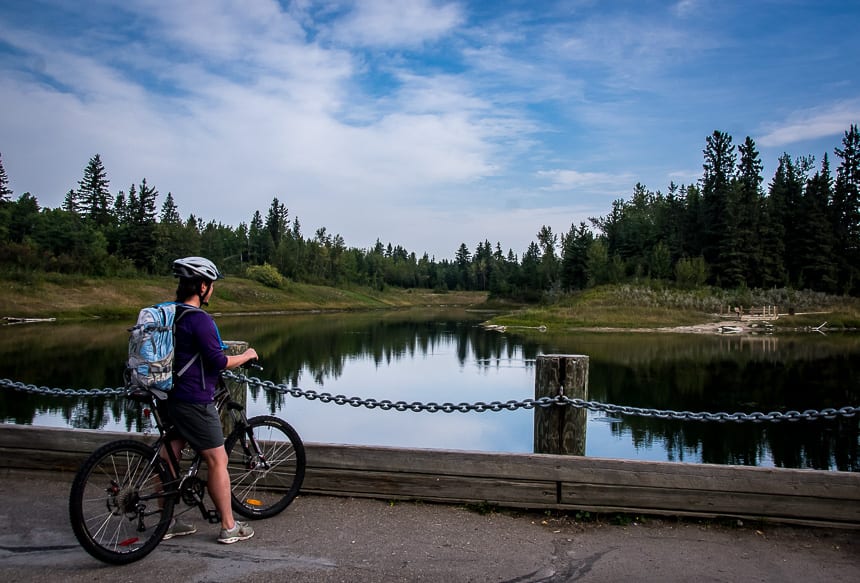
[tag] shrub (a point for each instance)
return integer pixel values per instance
(266, 274)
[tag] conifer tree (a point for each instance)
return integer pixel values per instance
(277, 222)
(169, 211)
(772, 231)
(845, 210)
(70, 202)
(672, 221)
(694, 222)
(93, 197)
(718, 236)
(259, 240)
(5, 191)
(574, 258)
(748, 202)
(817, 267)
(548, 269)
(463, 261)
(788, 186)
(139, 231)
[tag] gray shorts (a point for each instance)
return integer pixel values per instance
(197, 423)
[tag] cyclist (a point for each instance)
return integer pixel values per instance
(199, 359)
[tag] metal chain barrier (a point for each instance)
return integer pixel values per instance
(28, 388)
(478, 407)
(559, 400)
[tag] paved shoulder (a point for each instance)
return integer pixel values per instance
(345, 539)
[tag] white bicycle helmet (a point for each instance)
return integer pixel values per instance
(192, 267)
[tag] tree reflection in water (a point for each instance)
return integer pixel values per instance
(324, 351)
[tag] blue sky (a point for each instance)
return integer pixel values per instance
(422, 123)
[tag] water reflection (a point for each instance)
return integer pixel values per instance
(443, 356)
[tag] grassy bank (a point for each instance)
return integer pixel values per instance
(66, 297)
(618, 306)
(631, 306)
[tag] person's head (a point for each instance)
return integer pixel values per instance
(196, 275)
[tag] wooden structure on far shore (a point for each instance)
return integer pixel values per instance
(752, 314)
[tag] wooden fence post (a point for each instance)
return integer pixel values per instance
(239, 391)
(560, 429)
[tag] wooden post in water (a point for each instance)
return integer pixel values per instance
(237, 390)
(561, 429)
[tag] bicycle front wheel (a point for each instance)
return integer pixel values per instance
(267, 466)
(118, 505)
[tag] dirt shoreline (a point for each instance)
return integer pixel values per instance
(722, 327)
(732, 327)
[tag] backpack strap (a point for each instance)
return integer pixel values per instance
(187, 365)
(185, 309)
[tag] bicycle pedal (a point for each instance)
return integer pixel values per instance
(213, 517)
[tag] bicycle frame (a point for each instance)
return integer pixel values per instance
(185, 485)
(125, 493)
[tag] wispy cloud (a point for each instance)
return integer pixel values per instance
(395, 23)
(812, 123)
(587, 181)
(437, 122)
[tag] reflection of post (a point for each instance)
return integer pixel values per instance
(561, 429)
(237, 390)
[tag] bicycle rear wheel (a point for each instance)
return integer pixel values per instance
(117, 505)
(267, 466)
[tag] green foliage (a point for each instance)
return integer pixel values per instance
(803, 233)
(265, 274)
(691, 273)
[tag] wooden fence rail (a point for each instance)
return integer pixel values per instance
(518, 480)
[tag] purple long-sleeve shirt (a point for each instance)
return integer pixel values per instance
(196, 333)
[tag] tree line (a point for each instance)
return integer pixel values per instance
(803, 231)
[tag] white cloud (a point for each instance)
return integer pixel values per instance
(684, 8)
(588, 181)
(420, 122)
(396, 23)
(813, 123)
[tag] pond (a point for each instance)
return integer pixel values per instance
(437, 356)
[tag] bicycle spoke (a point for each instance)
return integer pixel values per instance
(266, 467)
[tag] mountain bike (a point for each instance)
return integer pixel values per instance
(123, 497)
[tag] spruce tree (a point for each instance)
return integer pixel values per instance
(259, 240)
(5, 191)
(277, 222)
(671, 226)
(169, 211)
(575, 258)
(70, 202)
(788, 186)
(772, 231)
(139, 240)
(548, 270)
(748, 203)
(718, 237)
(845, 211)
(694, 222)
(94, 198)
(816, 266)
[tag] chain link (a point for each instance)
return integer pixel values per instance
(478, 407)
(28, 388)
(560, 400)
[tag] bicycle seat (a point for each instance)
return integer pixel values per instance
(147, 395)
